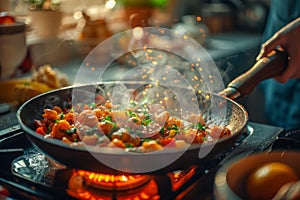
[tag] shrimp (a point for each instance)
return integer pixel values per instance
(87, 118)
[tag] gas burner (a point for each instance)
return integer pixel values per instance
(36, 167)
(89, 185)
(35, 176)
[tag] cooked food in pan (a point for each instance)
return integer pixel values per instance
(140, 127)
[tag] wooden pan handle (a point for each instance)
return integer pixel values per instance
(272, 65)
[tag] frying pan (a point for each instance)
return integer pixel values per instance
(99, 159)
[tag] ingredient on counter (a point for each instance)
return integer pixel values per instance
(44, 79)
(5, 19)
(265, 181)
(139, 127)
(49, 76)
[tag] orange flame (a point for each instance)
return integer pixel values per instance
(110, 181)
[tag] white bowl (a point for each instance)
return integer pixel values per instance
(231, 179)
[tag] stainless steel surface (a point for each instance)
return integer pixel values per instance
(12, 47)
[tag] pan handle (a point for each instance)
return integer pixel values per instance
(272, 65)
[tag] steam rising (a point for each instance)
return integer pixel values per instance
(166, 68)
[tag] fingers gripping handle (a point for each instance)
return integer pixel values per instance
(272, 65)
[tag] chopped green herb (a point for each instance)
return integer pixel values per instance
(173, 127)
(128, 145)
(107, 118)
(132, 114)
(147, 116)
(200, 127)
(146, 140)
(162, 130)
(146, 122)
(93, 105)
(71, 131)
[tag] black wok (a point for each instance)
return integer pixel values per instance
(88, 159)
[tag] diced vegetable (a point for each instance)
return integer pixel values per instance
(140, 128)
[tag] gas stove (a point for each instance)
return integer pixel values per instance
(27, 173)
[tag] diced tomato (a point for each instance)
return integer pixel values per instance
(7, 20)
(37, 123)
(168, 142)
(200, 137)
(40, 130)
(100, 99)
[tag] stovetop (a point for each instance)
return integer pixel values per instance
(25, 172)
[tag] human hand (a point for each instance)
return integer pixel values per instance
(289, 191)
(288, 38)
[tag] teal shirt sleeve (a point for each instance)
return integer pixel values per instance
(282, 101)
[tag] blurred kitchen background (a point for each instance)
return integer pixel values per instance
(62, 32)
